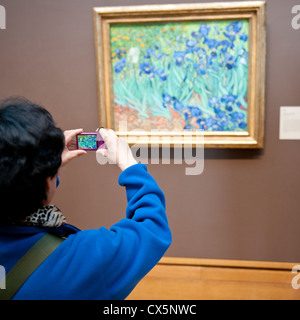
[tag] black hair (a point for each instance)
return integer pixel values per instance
(30, 151)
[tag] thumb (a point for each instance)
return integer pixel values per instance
(102, 152)
(102, 156)
(75, 154)
(70, 155)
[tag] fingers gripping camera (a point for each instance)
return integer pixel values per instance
(117, 150)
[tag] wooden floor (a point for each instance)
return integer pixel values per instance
(202, 279)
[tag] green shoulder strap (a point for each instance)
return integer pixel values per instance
(28, 263)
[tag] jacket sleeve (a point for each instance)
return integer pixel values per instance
(141, 239)
(115, 260)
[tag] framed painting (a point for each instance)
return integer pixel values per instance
(190, 70)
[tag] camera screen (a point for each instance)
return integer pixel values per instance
(87, 141)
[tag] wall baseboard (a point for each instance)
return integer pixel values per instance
(209, 279)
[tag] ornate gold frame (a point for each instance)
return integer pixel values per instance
(254, 11)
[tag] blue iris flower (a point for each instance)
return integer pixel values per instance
(161, 74)
(230, 36)
(213, 54)
(232, 31)
(234, 116)
(235, 27)
(195, 34)
(200, 68)
(224, 122)
(210, 61)
(194, 111)
(119, 66)
(217, 109)
(149, 53)
(201, 123)
(188, 50)
(224, 44)
(229, 61)
(244, 37)
(242, 125)
(146, 67)
(214, 102)
(166, 98)
(179, 58)
(119, 53)
(210, 122)
(217, 127)
(211, 43)
(229, 100)
(204, 30)
(220, 114)
(195, 49)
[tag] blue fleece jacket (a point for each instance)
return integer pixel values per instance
(98, 263)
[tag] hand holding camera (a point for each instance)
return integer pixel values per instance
(117, 150)
(71, 150)
(107, 145)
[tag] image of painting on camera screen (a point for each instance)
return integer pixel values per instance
(87, 142)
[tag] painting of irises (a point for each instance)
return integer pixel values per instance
(189, 75)
(86, 141)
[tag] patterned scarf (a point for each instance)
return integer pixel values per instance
(48, 216)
